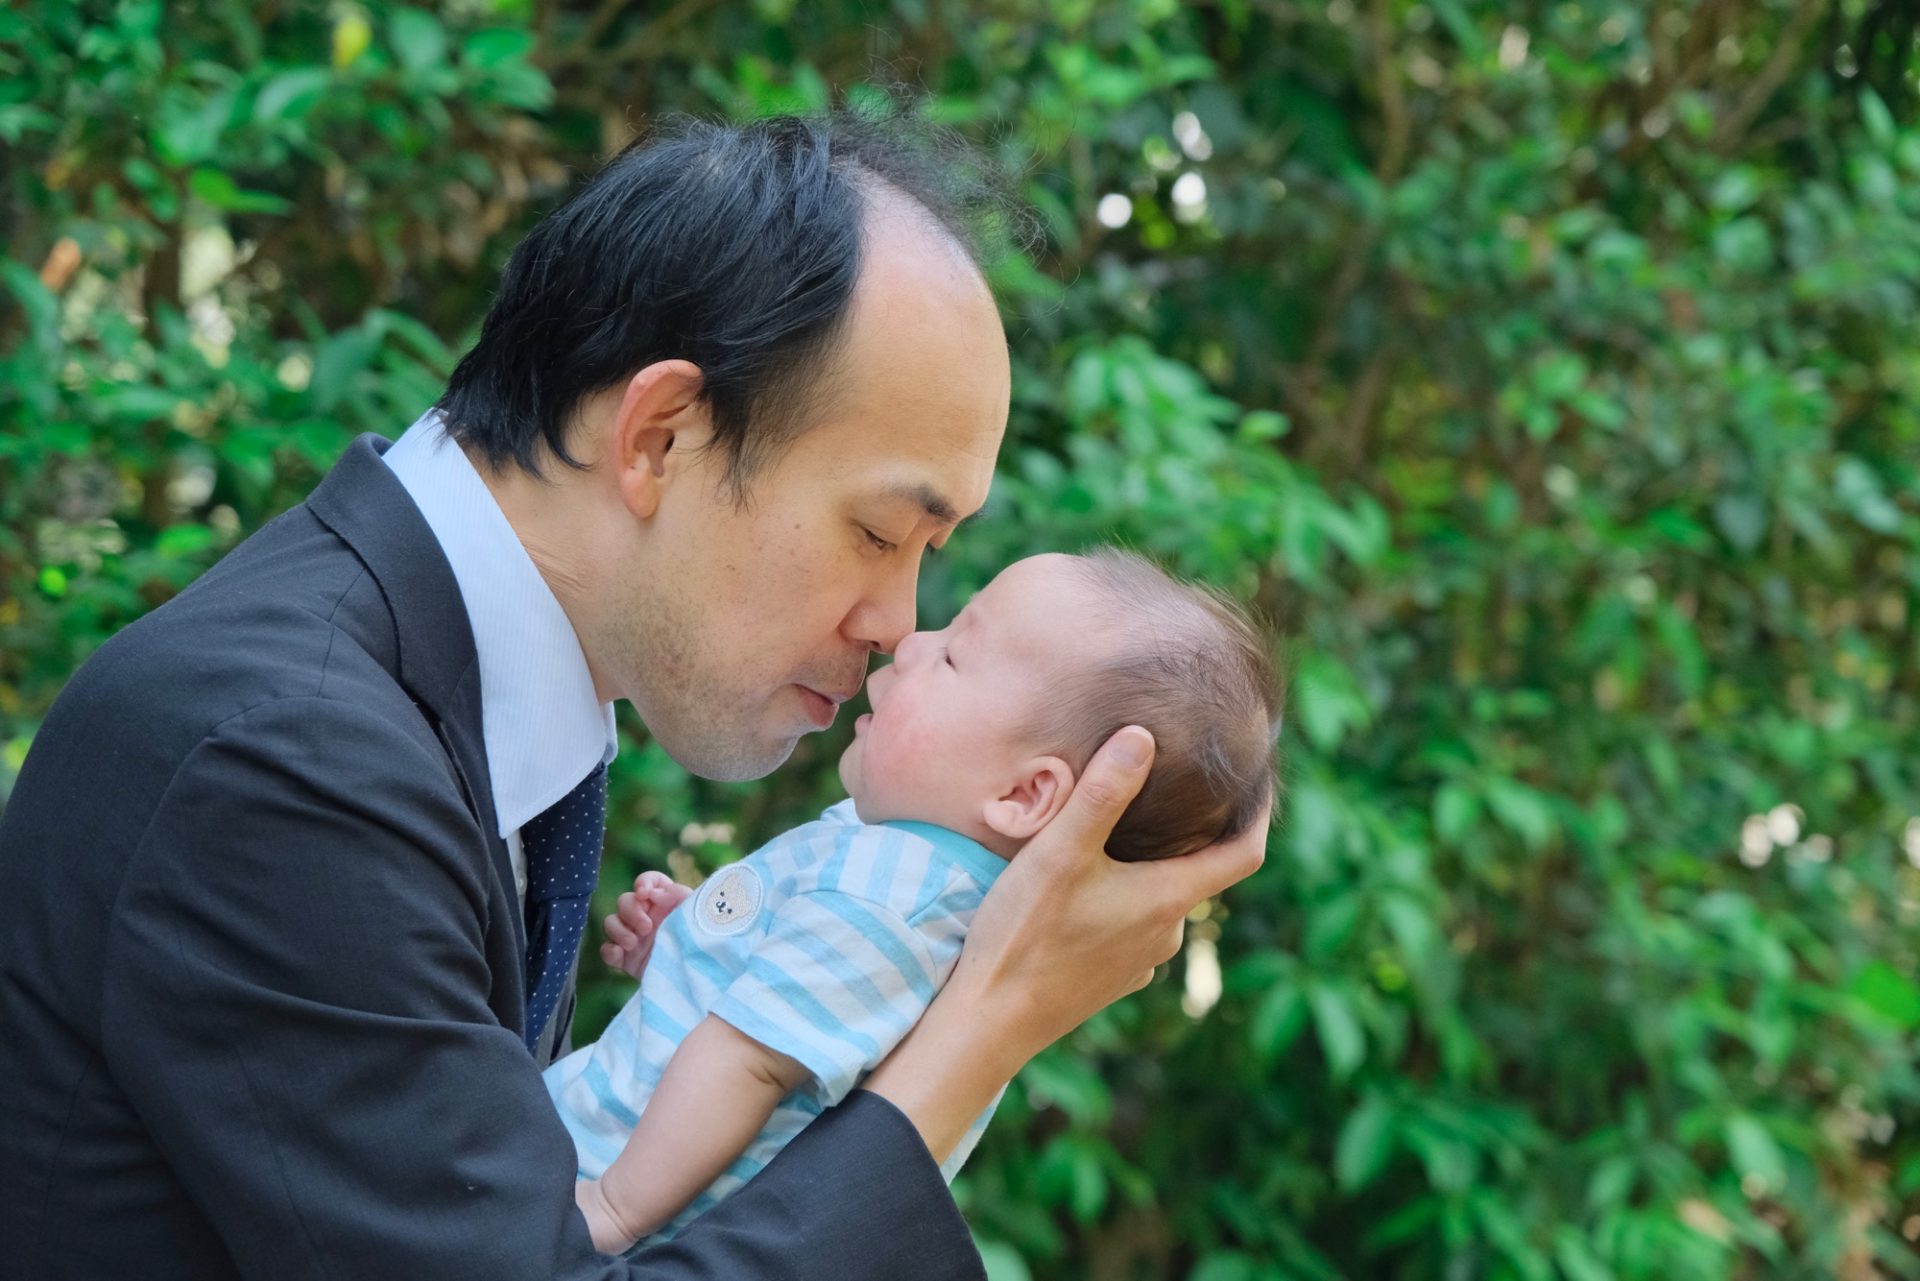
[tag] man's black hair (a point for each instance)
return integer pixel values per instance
(735, 247)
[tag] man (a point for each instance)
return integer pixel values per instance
(293, 880)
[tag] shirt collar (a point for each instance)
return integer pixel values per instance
(976, 859)
(545, 728)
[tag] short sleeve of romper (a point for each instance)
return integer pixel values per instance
(847, 966)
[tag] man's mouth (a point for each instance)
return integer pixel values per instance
(821, 708)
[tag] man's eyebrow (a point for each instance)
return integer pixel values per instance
(930, 501)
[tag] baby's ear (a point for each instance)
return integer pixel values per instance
(1039, 791)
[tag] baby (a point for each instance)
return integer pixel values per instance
(789, 975)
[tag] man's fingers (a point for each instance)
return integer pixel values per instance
(1107, 786)
(1170, 946)
(1205, 873)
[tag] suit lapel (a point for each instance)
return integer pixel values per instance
(363, 502)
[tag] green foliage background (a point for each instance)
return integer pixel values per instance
(1546, 371)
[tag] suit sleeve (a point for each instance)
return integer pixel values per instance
(297, 1007)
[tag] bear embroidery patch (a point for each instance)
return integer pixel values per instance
(729, 900)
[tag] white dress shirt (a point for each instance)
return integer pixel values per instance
(544, 725)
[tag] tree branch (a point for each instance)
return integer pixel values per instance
(640, 44)
(1396, 131)
(1786, 55)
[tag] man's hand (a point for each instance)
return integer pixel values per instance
(632, 927)
(1064, 932)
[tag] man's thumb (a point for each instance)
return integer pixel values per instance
(1110, 782)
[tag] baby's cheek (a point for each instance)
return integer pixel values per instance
(911, 755)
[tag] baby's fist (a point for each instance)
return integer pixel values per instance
(636, 921)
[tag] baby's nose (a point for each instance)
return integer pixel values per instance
(914, 646)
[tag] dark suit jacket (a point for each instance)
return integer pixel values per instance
(261, 963)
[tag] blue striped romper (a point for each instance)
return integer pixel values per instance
(825, 944)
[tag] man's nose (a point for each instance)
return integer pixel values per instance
(885, 618)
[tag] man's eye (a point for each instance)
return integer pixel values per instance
(879, 542)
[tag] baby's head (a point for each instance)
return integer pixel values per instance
(984, 726)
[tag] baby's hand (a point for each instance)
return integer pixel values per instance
(609, 1236)
(631, 928)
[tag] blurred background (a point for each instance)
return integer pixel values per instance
(1548, 373)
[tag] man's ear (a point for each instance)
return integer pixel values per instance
(1039, 791)
(659, 423)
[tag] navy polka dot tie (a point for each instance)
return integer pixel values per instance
(562, 849)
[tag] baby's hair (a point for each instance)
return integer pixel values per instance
(1193, 669)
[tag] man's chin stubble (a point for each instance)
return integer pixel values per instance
(726, 761)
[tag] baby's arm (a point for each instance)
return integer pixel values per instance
(716, 1094)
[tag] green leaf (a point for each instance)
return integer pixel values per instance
(1744, 244)
(290, 95)
(521, 85)
(1876, 117)
(1461, 27)
(1754, 1152)
(1455, 811)
(1577, 1259)
(1365, 1143)
(1003, 1262)
(1341, 1039)
(337, 362)
(1327, 701)
(1406, 1223)
(220, 191)
(1330, 923)
(183, 540)
(1277, 1021)
(1742, 518)
(1450, 1162)
(1859, 490)
(1682, 642)
(418, 38)
(1089, 1188)
(1610, 1182)
(1560, 375)
(1414, 930)
(1224, 1265)
(36, 300)
(1523, 811)
(186, 130)
(1663, 764)
(497, 47)
(1887, 992)
(1734, 190)
(137, 403)
(1262, 426)
(1057, 1079)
